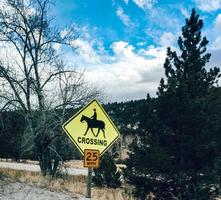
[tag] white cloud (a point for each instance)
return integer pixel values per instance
(85, 51)
(216, 44)
(124, 72)
(214, 34)
(57, 47)
(184, 12)
(167, 39)
(124, 18)
(215, 60)
(217, 25)
(64, 33)
(123, 50)
(128, 74)
(208, 5)
(144, 4)
(4, 6)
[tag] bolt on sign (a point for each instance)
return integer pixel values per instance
(91, 128)
(91, 158)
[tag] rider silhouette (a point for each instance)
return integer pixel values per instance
(92, 123)
(94, 117)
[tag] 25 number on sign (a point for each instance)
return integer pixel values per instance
(91, 158)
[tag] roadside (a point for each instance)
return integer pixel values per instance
(35, 168)
(10, 190)
(15, 184)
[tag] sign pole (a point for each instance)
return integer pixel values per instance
(89, 183)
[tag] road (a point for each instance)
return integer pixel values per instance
(21, 191)
(36, 168)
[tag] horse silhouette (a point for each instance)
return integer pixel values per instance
(92, 123)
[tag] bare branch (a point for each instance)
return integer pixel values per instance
(56, 74)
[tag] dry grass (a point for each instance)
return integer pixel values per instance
(72, 184)
(74, 164)
(110, 194)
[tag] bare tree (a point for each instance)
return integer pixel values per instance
(31, 68)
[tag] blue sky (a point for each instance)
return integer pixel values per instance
(122, 43)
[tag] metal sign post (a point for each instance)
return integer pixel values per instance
(89, 183)
(91, 160)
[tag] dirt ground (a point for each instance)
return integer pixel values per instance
(10, 190)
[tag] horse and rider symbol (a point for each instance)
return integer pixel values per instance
(92, 123)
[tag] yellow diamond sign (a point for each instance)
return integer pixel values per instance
(91, 128)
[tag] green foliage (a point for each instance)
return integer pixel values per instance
(125, 116)
(107, 174)
(176, 154)
(16, 142)
(11, 130)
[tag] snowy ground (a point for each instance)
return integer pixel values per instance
(36, 168)
(20, 191)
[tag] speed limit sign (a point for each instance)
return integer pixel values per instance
(91, 158)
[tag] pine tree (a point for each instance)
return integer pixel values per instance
(179, 147)
(107, 174)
